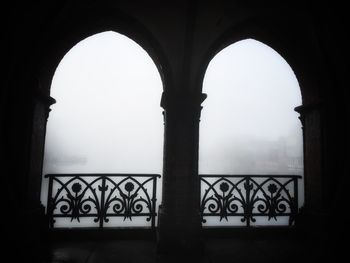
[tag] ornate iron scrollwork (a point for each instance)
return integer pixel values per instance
(101, 196)
(249, 196)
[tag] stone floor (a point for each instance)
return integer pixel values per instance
(240, 250)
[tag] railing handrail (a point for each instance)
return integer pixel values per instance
(101, 175)
(252, 175)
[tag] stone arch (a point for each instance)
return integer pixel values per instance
(60, 39)
(304, 57)
(301, 54)
(249, 126)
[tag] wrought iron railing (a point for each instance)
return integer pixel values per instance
(249, 197)
(101, 197)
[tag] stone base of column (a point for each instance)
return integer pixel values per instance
(178, 236)
(311, 223)
(34, 233)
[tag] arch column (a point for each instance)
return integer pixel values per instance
(313, 215)
(34, 226)
(36, 212)
(41, 109)
(179, 220)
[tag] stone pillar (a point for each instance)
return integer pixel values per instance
(41, 109)
(35, 225)
(179, 221)
(313, 216)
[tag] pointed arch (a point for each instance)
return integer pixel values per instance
(107, 118)
(248, 123)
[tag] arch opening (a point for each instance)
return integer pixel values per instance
(248, 123)
(107, 118)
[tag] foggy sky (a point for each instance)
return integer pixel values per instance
(107, 117)
(248, 124)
